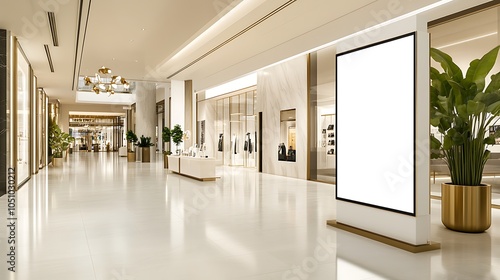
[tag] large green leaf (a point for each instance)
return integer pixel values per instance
(447, 142)
(479, 68)
(447, 63)
(444, 123)
(475, 107)
(494, 108)
(435, 143)
(462, 111)
(490, 140)
(457, 91)
(494, 84)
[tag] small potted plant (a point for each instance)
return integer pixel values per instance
(132, 139)
(59, 143)
(463, 109)
(145, 145)
(66, 141)
(55, 144)
(176, 133)
(165, 135)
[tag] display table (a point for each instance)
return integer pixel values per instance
(202, 169)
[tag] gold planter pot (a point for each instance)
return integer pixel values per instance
(57, 162)
(466, 208)
(146, 154)
(130, 156)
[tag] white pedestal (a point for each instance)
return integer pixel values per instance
(202, 169)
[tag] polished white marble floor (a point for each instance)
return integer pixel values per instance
(101, 218)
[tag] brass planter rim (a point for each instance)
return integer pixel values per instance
(478, 186)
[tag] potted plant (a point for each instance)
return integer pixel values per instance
(145, 144)
(66, 141)
(131, 138)
(165, 135)
(463, 108)
(56, 136)
(176, 134)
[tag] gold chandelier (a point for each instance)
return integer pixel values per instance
(106, 83)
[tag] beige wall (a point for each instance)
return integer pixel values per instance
(283, 87)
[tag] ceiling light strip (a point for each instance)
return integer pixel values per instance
(53, 28)
(468, 40)
(49, 57)
(251, 26)
(77, 52)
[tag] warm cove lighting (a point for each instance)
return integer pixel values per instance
(364, 31)
(468, 40)
(243, 82)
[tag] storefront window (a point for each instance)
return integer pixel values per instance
(229, 125)
(322, 115)
(23, 117)
(464, 39)
(97, 133)
(287, 147)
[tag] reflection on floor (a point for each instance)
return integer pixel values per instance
(101, 218)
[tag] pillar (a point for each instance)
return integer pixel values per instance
(3, 111)
(145, 118)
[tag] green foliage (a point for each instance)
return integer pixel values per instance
(166, 136)
(131, 137)
(463, 108)
(144, 142)
(59, 140)
(176, 133)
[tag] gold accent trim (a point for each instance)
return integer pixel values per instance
(308, 119)
(495, 206)
(386, 240)
(435, 197)
(196, 178)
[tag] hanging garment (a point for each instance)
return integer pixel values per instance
(235, 144)
(221, 143)
(250, 145)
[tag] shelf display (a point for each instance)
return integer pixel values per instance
(330, 147)
(287, 135)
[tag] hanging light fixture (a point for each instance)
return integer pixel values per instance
(106, 82)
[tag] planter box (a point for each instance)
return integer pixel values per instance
(165, 161)
(57, 162)
(146, 157)
(130, 156)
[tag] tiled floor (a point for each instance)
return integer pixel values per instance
(101, 218)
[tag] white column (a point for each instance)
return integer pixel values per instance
(177, 114)
(145, 117)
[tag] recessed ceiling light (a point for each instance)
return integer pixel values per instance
(131, 41)
(113, 58)
(137, 61)
(143, 29)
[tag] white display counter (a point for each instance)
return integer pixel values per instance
(202, 169)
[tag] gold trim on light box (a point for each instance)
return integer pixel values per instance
(386, 240)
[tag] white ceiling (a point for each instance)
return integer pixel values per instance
(139, 39)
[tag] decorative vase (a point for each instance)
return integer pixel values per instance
(146, 154)
(130, 156)
(466, 208)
